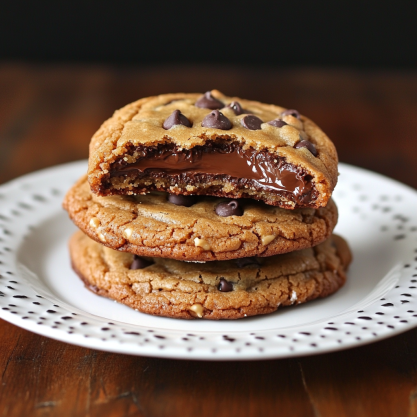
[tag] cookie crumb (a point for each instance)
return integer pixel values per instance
(197, 310)
(196, 262)
(267, 239)
(202, 243)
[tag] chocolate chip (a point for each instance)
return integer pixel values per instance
(277, 123)
(207, 101)
(242, 262)
(252, 122)
(176, 118)
(225, 286)
(182, 200)
(236, 107)
(140, 263)
(217, 120)
(291, 112)
(307, 144)
(229, 209)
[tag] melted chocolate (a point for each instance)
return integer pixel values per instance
(262, 169)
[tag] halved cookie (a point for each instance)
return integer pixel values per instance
(193, 144)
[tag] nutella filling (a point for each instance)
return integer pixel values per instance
(264, 170)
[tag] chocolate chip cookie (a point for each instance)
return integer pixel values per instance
(193, 144)
(196, 228)
(212, 290)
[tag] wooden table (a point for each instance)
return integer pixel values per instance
(47, 116)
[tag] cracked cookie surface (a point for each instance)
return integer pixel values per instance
(213, 290)
(150, 225)
(287, 143)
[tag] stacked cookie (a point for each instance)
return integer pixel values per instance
(208, 206)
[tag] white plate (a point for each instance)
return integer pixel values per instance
(39, 291)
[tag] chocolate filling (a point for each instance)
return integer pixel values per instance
(226, 161)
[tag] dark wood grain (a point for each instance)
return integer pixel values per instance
(47, 116)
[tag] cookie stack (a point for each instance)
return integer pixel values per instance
(208, 206)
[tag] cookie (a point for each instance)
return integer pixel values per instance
(212, 290)
(210, 144)
(196, 228)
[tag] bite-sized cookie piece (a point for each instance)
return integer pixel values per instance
(194, 228)
(210, 144)
(212, 290)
